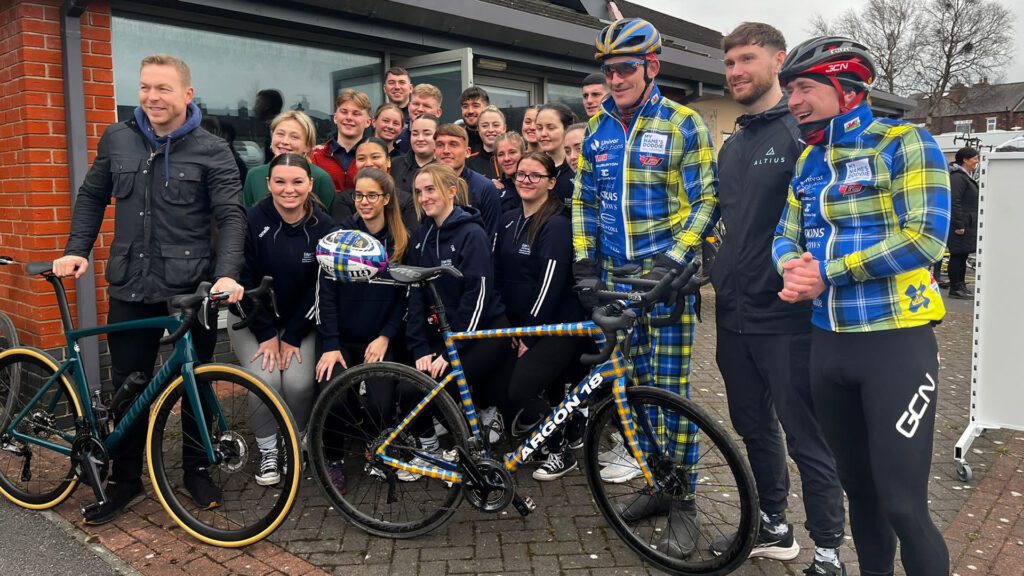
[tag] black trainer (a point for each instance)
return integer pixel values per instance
(768, 544)
(557, 465)
(120, 495)
(200, 486)
(825, 568)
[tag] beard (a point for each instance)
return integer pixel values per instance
(758, 87)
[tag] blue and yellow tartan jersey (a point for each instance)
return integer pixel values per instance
(872, 207)
(644, 189)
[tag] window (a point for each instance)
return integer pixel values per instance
(228, 71)
(962, 126)
(511, 96)
(569, 94)
(990, 124)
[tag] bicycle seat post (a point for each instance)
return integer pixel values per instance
(62, 301)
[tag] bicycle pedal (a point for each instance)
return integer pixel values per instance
(86, 508)
(524, 505)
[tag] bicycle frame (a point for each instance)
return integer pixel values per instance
(614, 369)
(182, 361)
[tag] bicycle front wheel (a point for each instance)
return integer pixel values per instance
(32, 475)
(234, 402)
(354, 415)
(702, 517)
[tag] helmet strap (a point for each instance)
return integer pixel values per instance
(643, 95)
(843, 106)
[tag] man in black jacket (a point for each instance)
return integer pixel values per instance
(169, 177)
(764, 343)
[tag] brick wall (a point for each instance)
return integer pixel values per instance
(34, 187)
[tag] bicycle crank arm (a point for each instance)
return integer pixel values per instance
(469, 468)
(26, 466)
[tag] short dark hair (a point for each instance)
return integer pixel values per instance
(595, 78)
(757, 33)
(453, 131)
(474, 93)
(428, 116)
(965, 153)
(397, 71)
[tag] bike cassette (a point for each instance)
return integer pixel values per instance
(488, 485)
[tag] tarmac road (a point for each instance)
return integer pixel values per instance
(44, 544)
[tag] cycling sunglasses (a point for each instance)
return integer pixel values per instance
(623, 69)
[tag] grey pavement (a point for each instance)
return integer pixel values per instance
(43, 544)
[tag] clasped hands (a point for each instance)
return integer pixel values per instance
(801, 279)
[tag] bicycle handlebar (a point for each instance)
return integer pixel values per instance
(205, 301)
(616, 315)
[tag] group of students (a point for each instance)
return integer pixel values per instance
(473, 195)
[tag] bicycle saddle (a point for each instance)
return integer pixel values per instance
(415, 274)
(43, 267)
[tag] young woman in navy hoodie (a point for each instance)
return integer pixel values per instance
(358, 322)
(534, 277)
(281, 240)
(453, 234)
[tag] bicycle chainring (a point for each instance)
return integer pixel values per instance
(497, 491)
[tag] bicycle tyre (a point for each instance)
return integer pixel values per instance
(364, 505)
(52, 475)
(8, 333)
(232, 523)
(713, 502)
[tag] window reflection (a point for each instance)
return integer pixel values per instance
(233, 76)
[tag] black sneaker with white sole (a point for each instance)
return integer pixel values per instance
(768, 544)
(825, 568)
(574, 431)
(557, 465)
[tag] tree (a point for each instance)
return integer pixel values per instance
(968, 40)
(892, 31)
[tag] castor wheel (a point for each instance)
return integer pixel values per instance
(963, 471)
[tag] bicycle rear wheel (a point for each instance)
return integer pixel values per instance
(8, 334)
(356, 412)
(233, 402)
(705, 488)
(33, 476)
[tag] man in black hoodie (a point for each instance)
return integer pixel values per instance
(764, 343)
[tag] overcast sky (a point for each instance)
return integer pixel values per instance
(792, 16)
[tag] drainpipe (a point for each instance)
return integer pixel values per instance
(78, 164)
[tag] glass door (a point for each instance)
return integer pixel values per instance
(511, 96)
(451, 71)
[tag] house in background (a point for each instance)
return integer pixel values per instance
(975, 109)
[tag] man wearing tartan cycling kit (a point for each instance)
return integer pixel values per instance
(645, 195)
(867, 215)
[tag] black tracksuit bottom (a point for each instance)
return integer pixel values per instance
(136, 351)
(875, 396)
(767, 382)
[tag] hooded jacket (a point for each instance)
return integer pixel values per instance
(755, 167)
(286, 252)
(535, 281)
(404, 169)
(170, 191)
(964, 197)
(356, 313)
(470, 302)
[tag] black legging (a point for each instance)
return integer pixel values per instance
(875, 395)
(546, 367)
(957, 269)
(378, 405)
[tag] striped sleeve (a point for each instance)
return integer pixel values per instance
(787, 243)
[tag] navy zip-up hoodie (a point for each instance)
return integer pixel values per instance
(485, 197)
(470, 302)
(564, 185)
(356, 313)
(510, 199)
(287, 253)
(535, 282)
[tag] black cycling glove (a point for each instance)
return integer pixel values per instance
(588, 282)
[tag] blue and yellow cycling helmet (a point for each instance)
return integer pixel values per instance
(627, 37)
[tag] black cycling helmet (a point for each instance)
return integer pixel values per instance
(835, 60)
(627, 37)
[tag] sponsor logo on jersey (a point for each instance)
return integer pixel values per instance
(850, 189)
(650, 161)
(601, 158)
(265, 230)
(858, 170)
(814, 232)
(653, 143)
(524, 249)
(851, 124)
(308, 257)
(918, 297)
